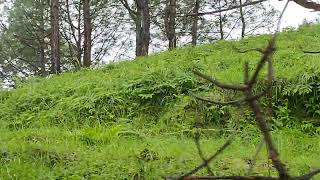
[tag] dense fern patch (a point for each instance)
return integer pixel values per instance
(154, 90)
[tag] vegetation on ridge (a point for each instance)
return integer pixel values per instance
(146, 101)
(155, 88)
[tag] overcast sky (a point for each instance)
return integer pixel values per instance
(294, 14)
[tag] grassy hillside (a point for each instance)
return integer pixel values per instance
(135, 118)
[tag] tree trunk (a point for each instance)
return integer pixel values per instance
(42, 44)
(55, 37)
(142, 21)
(146, 27)
(221, 22)
(139, 34)
(78, 43)
(194, 28)
(87, 34)
(170, 22)
(141, 18)
(243, 28)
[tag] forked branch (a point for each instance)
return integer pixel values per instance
(252, 100)
(208, 100)
(220, 84)
(210, 159)
(304, 177)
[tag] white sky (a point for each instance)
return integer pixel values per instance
(294, 14)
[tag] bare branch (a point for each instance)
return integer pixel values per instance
(304, 177)
(260, 50)
(132, 13)
(255, 157)
(246, 73)
(217, 102)
(309, 175)
(219, 84)
(267, 54)
(231, 178)
(227, 9)
(308, 4)
(211, 158)
(253, 103)
(197, 142)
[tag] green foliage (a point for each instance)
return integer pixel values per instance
(153, 91)
(135, 119)
(57, 153)
(93, 136)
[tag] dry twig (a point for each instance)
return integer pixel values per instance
(207, 161)
(197, 142)
(255, 157)
(252, 100)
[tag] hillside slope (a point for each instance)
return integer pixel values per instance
(155, 88)
(135, 120)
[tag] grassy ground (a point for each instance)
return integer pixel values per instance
(135, 119)
(81, 154)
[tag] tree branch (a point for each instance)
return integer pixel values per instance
(197, 142)
(248, 3)
(308, 4)
(220, 84)
(132, 13)
(239, 101)
(211, 158)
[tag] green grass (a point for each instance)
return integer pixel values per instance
(61, 154)
(135, 118)
(148, 88)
